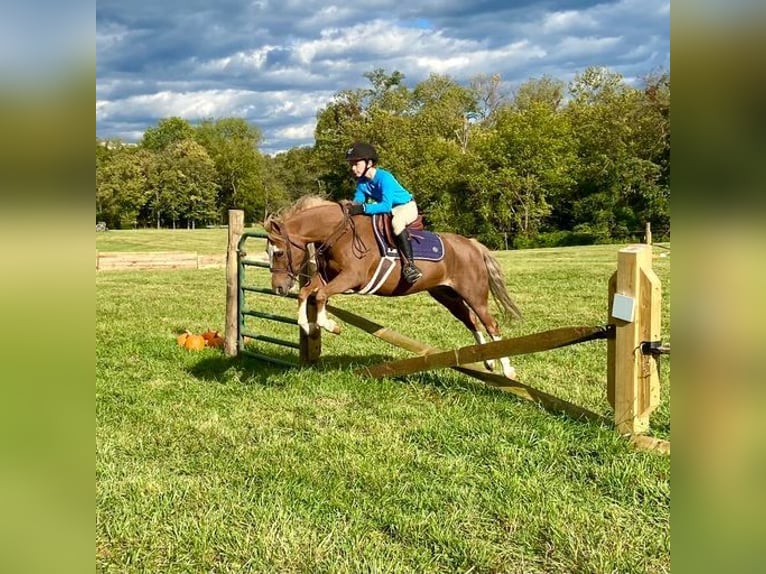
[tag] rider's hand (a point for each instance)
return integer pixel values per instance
(356, 209)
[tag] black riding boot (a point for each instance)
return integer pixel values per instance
(409, 271)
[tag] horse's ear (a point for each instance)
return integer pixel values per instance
(268, 222)
(272, 226)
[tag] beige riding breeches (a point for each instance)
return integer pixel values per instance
(403, 215)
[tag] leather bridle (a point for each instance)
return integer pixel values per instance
(358, 247)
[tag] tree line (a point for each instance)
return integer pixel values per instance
(549, 164)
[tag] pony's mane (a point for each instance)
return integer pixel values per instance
(303, 203)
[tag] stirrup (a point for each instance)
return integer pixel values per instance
(411, 273)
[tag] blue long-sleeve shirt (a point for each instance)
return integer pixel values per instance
(384, 191)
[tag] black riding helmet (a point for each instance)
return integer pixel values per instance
(361, 150)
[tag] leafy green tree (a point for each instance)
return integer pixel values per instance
(341, 122)
(546, 91)
(183, 185)
(198, 178)
(534, 169)
(167, 132)
(232, 143)
(526, 164)
(122, 187)
(620, 176)
(489, 94)
(296, 172)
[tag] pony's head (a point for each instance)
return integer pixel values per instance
(283, 266)
(286, 245)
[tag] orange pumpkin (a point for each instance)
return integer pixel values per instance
(195, 342)
(209, 335)
(181, 339)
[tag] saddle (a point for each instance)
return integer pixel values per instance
(382, 223)
(426, 245)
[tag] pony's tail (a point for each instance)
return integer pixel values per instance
(497, 283)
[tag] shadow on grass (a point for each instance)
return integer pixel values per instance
(251, 370)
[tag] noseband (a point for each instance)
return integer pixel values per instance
(289, 270)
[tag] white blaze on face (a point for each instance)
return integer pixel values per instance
(272, 252)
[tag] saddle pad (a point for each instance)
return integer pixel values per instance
(426, 246)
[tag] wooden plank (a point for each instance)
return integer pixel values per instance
(649, 330)
(610, 344)
(499, 382)
(548, 402)
(526, 344)
(381, 332)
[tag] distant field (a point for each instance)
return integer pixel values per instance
(209, 464)
(202, 241)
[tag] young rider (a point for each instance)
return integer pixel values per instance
(378, 191)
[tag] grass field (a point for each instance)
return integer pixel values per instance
(206, 464)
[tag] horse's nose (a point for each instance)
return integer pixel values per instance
(279, 290)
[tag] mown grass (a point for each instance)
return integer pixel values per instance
(210, 464)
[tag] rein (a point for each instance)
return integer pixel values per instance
(358, 248)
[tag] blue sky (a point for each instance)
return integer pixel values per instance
(277, 62)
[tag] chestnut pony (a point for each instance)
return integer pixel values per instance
(347, 258)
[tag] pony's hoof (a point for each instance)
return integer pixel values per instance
(331, 327)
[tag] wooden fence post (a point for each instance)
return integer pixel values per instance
(236, 228)
(634, 308)
(310, 345)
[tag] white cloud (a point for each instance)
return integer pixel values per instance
(276, 63)
(589, 46)
(298, 132)
(566, 21)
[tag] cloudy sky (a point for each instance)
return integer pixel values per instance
(277, 62)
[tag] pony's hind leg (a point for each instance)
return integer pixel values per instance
(460, 309)
(478, 304)
(493, 330)
(454, 303)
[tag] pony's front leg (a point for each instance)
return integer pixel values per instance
(324, 321)
(303, 297)
(339, 284)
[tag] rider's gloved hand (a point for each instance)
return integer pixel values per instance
(356, 209)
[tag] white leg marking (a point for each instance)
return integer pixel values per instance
(303, 318)
(480, 340)
(508, 370)
(325, 322)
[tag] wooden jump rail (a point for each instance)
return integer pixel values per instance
(632, 333)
